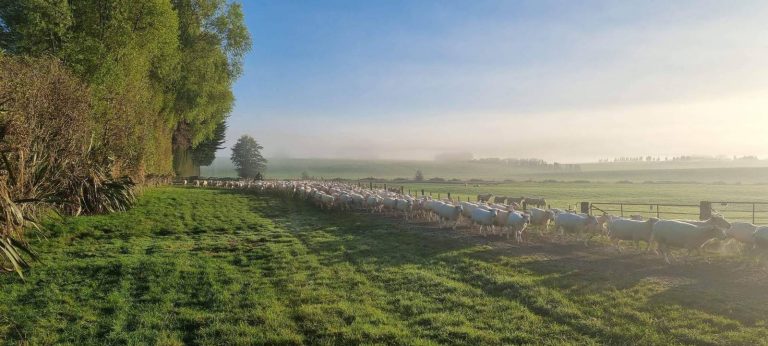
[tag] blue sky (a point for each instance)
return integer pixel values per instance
(559, 80)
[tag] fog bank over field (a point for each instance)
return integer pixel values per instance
(567, 137)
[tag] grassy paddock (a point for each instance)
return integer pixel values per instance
(564, 195)
(214, 267)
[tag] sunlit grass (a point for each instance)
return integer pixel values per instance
(213, 267)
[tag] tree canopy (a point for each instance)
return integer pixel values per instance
(160, 72)
(246, 156)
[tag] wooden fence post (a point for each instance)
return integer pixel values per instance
(705, 210)
(585, 208)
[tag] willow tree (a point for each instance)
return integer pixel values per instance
(214, 40)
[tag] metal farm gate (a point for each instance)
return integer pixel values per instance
(754, 212)
(646, 210)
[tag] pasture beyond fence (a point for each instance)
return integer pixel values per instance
(754, 212)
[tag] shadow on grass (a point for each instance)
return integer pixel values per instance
(710, 285)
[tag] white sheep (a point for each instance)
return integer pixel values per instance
(633, 230)
(677, 234)
(484, 218)
(575, 223)
(517, 222)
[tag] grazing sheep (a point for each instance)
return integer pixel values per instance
(515, 200)
(448, 212)
(484, 218)
(761, 237)
(575, 223)
(517, 222)
(326, 201)
(761, 242)
(536, 202)
(677, 234)
(390, 202)
(743, 232)
(501, 218)
(500, 199)
(405, 206)
(633, 230)
(374, 203)
(467, 208)
(716, 221)
(541, 218)
(484, 197)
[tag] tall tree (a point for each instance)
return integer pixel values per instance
(205, 152)
(246, 155)
(214, 40)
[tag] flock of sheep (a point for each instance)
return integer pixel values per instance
(490, 217)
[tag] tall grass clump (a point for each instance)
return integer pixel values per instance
(47, 158)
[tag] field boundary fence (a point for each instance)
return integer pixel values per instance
(657, 210)
(754, 212)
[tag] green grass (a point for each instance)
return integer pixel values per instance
(214, 267)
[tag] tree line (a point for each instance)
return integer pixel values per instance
(96, 96)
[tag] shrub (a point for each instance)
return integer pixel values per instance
(46, 155)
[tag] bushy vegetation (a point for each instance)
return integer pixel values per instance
(218, 267)
(48, 161)
(159, 72)
(94, 96)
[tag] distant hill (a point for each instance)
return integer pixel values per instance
(690, 171)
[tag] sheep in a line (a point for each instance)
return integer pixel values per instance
(484, 218)
(631, 230)
(578, 224)
(541, 218)
(447, 213)
(664, 234)
(669, 234)
(536, 202)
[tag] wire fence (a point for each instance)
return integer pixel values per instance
(754, 212)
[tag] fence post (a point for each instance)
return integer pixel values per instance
(753, 213)
(525, 205)
(585, 208)
(705, 210)
(658, 212)
(402, 188)
(438, 195)
(622, 209)
(449, 197)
